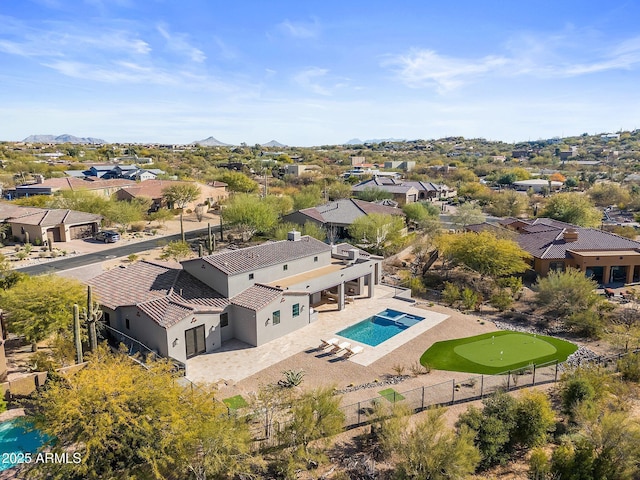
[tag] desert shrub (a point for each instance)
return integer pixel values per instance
(137, 227)
(629, 367)
(451, 293)
(292, 378)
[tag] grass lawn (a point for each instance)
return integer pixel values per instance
(235, 402)
(496, 352)
(391, 395)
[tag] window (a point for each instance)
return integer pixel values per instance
(556, 266)
(126, 323)
(315, 259)
(295, 309)
(251, 276)
(276, 317)
(107, 318)
(224, 320)
(285, 267)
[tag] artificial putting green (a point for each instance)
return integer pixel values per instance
(235, 402)
(391, 395)
(496, 352)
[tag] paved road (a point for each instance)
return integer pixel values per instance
(115, 252)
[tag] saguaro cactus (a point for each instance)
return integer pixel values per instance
(92, 314)
(211, 240)
(76, 333)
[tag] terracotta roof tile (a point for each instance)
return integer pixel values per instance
(256, 297)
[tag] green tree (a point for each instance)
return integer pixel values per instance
(338, 190)
(418, 212)
(372, 194)
(376, 231)
(534, 419)
(37, 307)
(564, 293)
(315, 415)
(309, 196)
(237, 181)
(605, 194)
(176, 251)
(179, 196)
(432, 451)
(484, 253)
(573, 208)
(131, 422)
(467, 214)
(249, 213)
(125, 213)
(81, 200)
(507, 204)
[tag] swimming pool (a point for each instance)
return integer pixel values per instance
(380, 327)
(15, 441)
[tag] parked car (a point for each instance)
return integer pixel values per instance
(107, 236)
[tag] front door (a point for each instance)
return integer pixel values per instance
(194, 339)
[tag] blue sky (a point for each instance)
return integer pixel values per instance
(317, 72)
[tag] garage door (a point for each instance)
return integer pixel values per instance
(81, 231)
(53, 234)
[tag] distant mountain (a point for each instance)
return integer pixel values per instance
(65, 138)
(355, 141)
(273, 143)
(211, 142)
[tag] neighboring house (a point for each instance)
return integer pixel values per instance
(128, 172)
(554, 245)
(154, 190)
(51, 224)
(102, 187)
(296, 169)
(339, 215)
(537, 185)
(405, 191)
(254, 294)
(407, 166)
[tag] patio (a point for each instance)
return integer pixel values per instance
(237, 360)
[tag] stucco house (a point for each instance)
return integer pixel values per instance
(51, 224)
(99, 186)
(554, 245)
(340, 214)
(154, 190)
(406, 191)
(254, 294)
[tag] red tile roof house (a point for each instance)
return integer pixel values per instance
(254, 294)
(99, 186)
(51, 224)
(554, 245)
(405, 191)
(153, 189)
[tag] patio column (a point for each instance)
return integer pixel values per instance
(606, 274)
(630, 269)
(371, 282)
(341, 296)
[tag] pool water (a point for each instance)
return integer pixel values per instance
(380, 327)
(15, 441)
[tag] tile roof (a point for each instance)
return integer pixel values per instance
(256, 297)
(264, 255)
(86, 183)
(345, 211)
(155, 188)
(544, 238)
(164, 293)
(393, 185)
(45, 217)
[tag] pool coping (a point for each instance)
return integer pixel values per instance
(371, 354)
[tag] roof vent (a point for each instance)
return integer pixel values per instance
(293, 236)
(352, 254)
(570, 235)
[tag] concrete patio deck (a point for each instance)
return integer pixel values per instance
(237, 360)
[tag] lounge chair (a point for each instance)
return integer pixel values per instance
(341, 346)
(332, 342)
(351, 351)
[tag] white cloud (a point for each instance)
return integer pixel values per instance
(420, 68)
(308, 78)
(179, 44)
(300, 29)
(551, 56)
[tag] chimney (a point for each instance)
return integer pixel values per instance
(293, 236)
(39, 178)
(570, 235)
